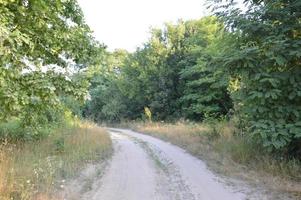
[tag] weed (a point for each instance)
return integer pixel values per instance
(34, 170)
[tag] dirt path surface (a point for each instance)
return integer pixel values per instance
(131, 174)
(146, 168)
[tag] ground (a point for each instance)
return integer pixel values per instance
(147, 168)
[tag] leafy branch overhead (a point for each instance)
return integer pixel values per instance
(43, 47)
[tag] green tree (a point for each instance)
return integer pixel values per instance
(205, 91)
(107, 101)
(170, 74)
(265, 62)
(43, 46)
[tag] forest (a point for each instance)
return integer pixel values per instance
(238, 66)
(235, 65)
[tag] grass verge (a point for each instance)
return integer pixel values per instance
(229, 153)
(37, 170)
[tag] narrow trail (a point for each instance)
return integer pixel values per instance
(131, 174)
(146, 168)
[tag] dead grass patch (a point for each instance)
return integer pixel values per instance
(36, 170)
(230, 153)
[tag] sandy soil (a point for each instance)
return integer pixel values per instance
(146, 168)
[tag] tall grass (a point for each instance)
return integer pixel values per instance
(35, 170)
(229, 152)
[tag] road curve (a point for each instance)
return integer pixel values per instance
(146, 168)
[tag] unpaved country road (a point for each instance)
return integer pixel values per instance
(146, 168)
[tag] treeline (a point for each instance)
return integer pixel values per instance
(242, 65)
(166, 76)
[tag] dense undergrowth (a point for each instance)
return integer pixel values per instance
(39, 168)
(228, 152)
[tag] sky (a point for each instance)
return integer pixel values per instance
(125, 24)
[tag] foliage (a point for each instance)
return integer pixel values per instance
(205, 89)
(107, 103)
(265, 61)
(169, 75)
(41, 57)
(43, 123)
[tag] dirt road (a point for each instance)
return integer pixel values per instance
(146, 168)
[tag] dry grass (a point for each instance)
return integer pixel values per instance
(36, 170)
(229, 153)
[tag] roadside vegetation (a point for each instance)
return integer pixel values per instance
(41, 169)
(47, 56)
(228, 152)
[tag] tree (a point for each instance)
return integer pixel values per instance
(205, 91)
(170, 75)
(107, 101)
(265, 62)
(43, 46)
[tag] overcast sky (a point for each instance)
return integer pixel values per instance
(125, 23)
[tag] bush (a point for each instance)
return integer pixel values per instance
(264, 62)
(40, 126)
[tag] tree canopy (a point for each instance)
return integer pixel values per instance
(169, 75)
(265, 62)
(238, 64)
(43, 47)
